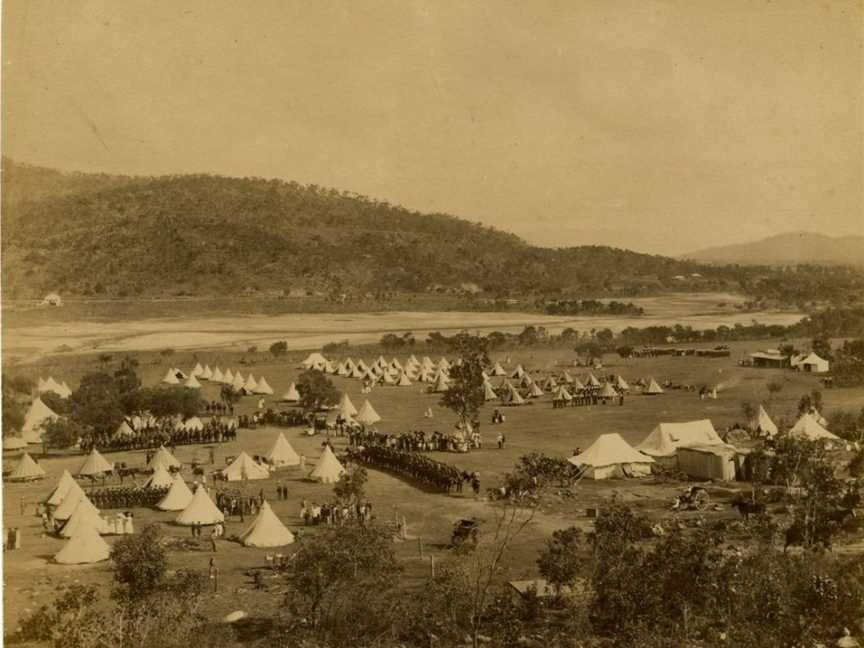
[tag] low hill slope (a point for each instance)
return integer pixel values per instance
(788, 249)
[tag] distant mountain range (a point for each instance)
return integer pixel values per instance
(794, 248)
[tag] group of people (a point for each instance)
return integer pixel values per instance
(126, 497)
(165, 431)
(218, 408)
(287, 418)
(417, 440)
(588, 396)
(335, 513)
(424, 469)
(234, 503)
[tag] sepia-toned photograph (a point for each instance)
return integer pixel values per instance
(416, 324)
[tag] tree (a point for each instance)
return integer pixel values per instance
(774, 387)
(140, 564)
(749, 410)
(343, 565)
(169, 401)
(624, 351)
(63, 433)
(351, 486)
(465, 396)
(279, 349)
(392, 341)
(316, 390)
(97, 403)
(559, 563)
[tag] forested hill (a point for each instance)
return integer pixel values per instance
(114, 236)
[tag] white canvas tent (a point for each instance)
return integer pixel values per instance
(653, 388)
(160, 478)
(292, 395)
(35, 420)
(64, 484)
(315, 361)
(498, 370)
(264, 388)
(228, 377)
(85, 514)
(611, 456)
(764, 423)
(403, 380)
(251, 386)
(164, 458)
(328, 469)
(207, 374)
(244, 467)
(124, 430)
(201, 510)
(807, 427)
(178, 496)
(192, 383)
(266, 530)
(665, 439)
(26, 470)
(94, 464)
(217, 376)
(488, 393)
(367, 414)
(346, 407)
(238, 383)
(86, 546)
(171, 377)
(197, 370)
(67, 506)
(282, 454)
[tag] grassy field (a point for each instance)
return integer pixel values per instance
(30, 578)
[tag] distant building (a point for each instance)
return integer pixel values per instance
(771, 359)
(812, 363)
(52, 299)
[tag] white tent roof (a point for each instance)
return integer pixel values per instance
(562, 394)
(192, 424)
(217, 375)
(764, 422)
(346, 407)
(207, 374)
(498, 370)
(228, 377)
(608, 450)
(26, 470)
(264, 387)
(315, 361)
(654, 388)
(85, 514)
(536, 392)
(160, 478)
(197, 370)
(292, 395)
(63, 485)
(518, 372)
(34, 421)
(86, 546)
(94, 464)
(441, 383)
(266, 530)
(250, 385)
(164, 458)
(807, 427)
(403, 380)
(171, 377)
(52, 385)
(489, 393)
(238, 383)
(665, 439)
(621, 383)
(592, 381)
(244, 467)
(328, 469)
(367, 414)
(607, 391)
(124, 430)
(178, 496)
(192, 383)
(201, 510)
(282, 454)
(67, 506)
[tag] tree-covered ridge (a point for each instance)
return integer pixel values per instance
(113, 236)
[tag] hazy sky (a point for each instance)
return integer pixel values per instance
(660, 126)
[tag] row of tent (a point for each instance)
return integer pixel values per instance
(246, 385)
(51, 385)
(693, 447)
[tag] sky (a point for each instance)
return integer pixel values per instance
(660, 126)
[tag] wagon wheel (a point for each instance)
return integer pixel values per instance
(701, 500)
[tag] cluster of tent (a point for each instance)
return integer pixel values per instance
(366, 415)
(193, 380)
(693, 447)
(392, 373)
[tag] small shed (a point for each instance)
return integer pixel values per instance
(812, 363)
(710, 461)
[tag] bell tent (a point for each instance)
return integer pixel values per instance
(178, 496)
(328, 469)
(201, 510)
(611, 456)
(86, 546)
(282, 454)
(266, 530)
